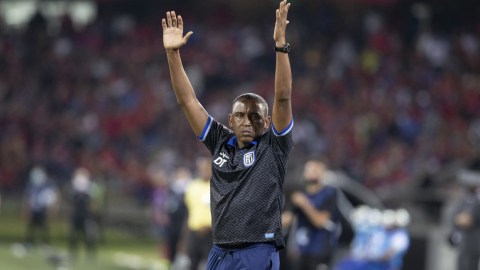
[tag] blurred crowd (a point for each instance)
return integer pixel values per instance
(385, 103)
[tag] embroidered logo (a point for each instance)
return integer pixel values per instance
(249, 158)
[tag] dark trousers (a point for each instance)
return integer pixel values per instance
(258, 256)
(468, 260)
(199, 246)
(38, 224)
(86, 230)
(311, 262)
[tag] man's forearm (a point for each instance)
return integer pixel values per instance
(283, 78)
(317, 218)
(181, 85)
(196, 114)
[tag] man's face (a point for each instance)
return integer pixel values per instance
(313, 172)
(248, 120)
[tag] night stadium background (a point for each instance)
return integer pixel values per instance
(388, 91)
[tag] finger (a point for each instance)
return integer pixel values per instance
(169, 19)
(186, 37)
(180, 22)
(277, 13)
(288, 22)
(282, 4)
(288, 6)
(164, 24)
(174, 19)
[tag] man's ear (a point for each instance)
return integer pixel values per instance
(267, 122)
(230, 120)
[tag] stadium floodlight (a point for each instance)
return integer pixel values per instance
(17, 13)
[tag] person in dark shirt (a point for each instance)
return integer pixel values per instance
(318, 217)
(83, 225)
(467, 221)
(249, 163)
(176, 209)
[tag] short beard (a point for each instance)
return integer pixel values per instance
(309, 182)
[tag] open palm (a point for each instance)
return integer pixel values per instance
(281, 23)
(173, 37)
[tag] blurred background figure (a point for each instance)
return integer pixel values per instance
(318, 217)
(41, 201)
(381, 240)
(161, 219)
(467, 224)
(98, 205)
(176, 209)
(197, 200)
(83, 227)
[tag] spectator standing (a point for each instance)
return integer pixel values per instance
(83, 226)
(98, 195)
(159, 214)
(318, 217)
(176, 209)
(197, 200)
(40, 196)
(467, 220)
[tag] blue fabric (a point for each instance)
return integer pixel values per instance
(360, 242)
(352, 264)
(261, 256)
(283, 132)
(233, 142)
(205, 129)
(396, 262)
(36, 195)
(312, 240)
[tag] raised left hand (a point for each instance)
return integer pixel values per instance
(281, 24)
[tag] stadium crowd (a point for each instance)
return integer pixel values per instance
(383, 102)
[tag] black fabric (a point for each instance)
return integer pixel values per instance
(86, 231)
(38, 226)
(199, 246)
(246, 196)
(177, 211)
(468, 260)
(81, 206)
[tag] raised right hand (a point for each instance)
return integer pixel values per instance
(173, 37)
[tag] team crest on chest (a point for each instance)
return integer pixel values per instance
(249, 158)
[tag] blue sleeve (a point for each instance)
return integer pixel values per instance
(282, 140)
(213, 134)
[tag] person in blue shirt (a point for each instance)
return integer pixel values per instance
(389, 245)
(40, 201)
(398, 240)
(318, 217)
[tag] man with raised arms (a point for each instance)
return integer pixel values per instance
(249, 163)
